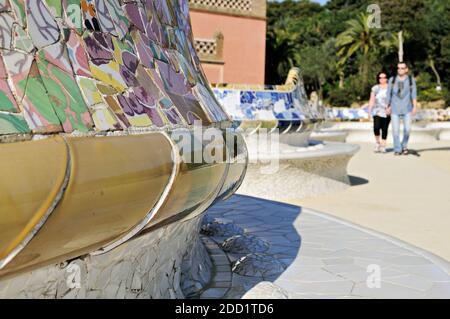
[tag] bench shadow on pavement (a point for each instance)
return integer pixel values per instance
(270, 221)
(357, 181)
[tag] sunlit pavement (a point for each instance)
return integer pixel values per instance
(407, 197)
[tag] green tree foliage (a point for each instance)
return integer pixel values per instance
(340, 55)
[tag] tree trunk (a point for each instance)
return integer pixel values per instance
(433, 67)
(341, 80)
(400, 46)
(365, 71)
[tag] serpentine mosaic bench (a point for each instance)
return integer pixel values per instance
(283, 107)
(303, 168)
(362, 114)
(92, 95)
(438, 119)
(349, 114)
(443, 128)
(326, 131)
(363, 132)
(355, 123)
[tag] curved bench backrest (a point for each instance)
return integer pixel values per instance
(127, 70)
(100, 66)
(286, 105)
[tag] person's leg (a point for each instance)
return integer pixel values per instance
(376, 131)
(407, 119)
(384, 132)
(396, 132)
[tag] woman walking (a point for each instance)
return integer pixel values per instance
(378, 109)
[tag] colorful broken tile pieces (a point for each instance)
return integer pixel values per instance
(77, 54)
(281, 103)
(57, 55)
(6, 26)
(348, 114)
(205, 97)
(172, 113)
(118, 17)
(262, 104)
(114, 105)
(7, 101)
(136, 15)
(65, 97)
(104, 18)
(72, 15)
(55, 7)
(42, 26)
(90, 15)
(4, 5)
(38, 109)
(81, 65)
(17, 67)
(231, 101)
(104, 118)
(12, 124)
(18, 8)
(22, 40)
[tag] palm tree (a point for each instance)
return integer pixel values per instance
(282, 44)
(358, 37)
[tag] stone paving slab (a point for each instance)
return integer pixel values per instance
(324, 257)
(222, 276)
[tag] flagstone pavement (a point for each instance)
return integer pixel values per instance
(314, 255)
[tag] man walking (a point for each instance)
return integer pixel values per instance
(402, 104)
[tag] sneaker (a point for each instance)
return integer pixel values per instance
(377, 148)
(383, 149)
(397, 153)
(405, 151)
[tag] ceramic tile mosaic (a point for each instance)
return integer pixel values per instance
(348, 114)
(259, 105)
(12, 124)
(7, 101)
(79, 69)
(268, 103)
(81, 65)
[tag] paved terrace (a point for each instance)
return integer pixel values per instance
(407, 197)
(317, 256)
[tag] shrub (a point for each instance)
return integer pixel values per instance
(353, 91)
(447, 98)
(431, 94)
(427, 89)
(341, 97)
